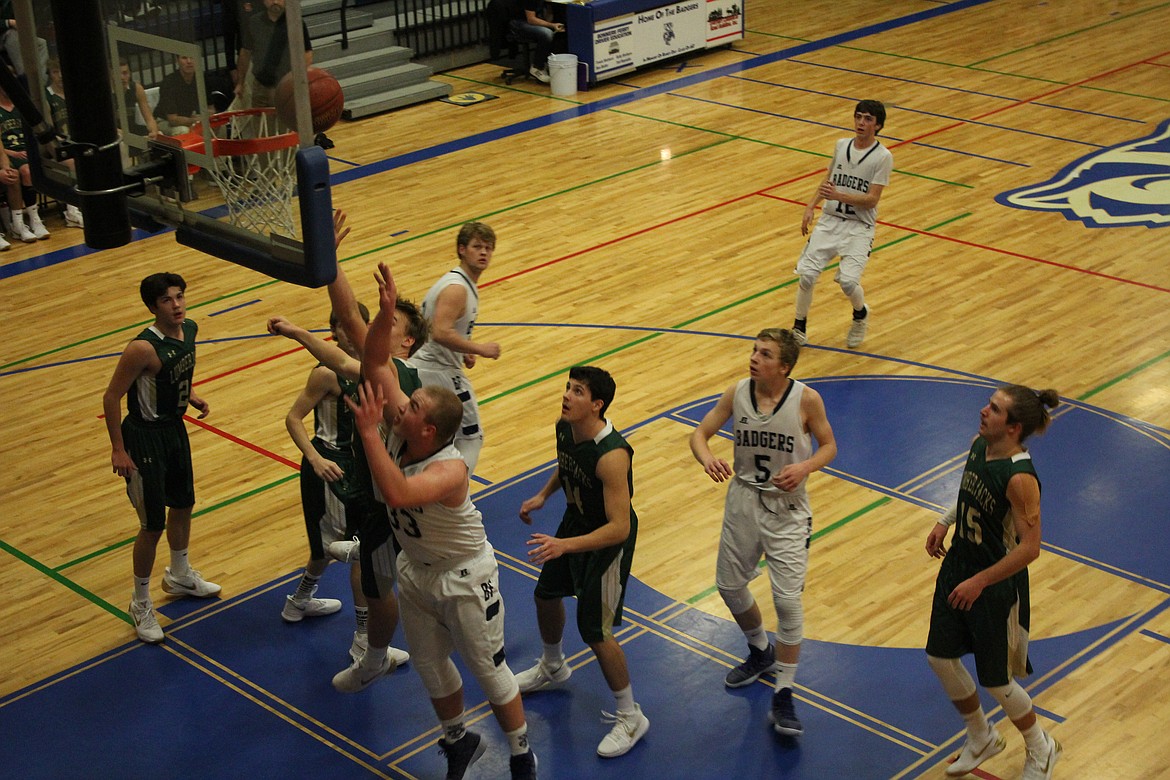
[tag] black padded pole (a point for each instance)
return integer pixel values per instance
(81, 47)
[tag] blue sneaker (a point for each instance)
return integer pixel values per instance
(462, 754)
(758, 662)
(783, 715)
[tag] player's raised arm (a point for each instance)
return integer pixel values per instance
(324, 351)
(377, 364)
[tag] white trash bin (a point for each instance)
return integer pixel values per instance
(562, 71)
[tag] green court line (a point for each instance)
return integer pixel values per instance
(68, 583)
(1074, 33)
(560, 372)
(205, 510)
(865, 510)
(1132, 372)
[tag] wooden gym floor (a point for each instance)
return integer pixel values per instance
(648, 226)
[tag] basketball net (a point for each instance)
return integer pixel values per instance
(255, 170)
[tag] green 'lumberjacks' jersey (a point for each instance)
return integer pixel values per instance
(163, 397)
(584, 494)
(985, 529)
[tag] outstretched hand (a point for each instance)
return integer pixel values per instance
(340, 231)
(367, 414)
(387, 290)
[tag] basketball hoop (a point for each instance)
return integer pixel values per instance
(254, 168)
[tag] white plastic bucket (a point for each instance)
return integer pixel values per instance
(562, 71)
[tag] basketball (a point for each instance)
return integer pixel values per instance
(326, 100)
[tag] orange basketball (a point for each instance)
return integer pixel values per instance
(326, 100)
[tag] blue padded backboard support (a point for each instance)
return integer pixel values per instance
(311, 262)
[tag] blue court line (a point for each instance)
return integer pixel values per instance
(233, 308)
(1091, 113)
(615, 101)
(108, 355)
(964, 91)
(836, 127)
(1152, 635)
(488, 136)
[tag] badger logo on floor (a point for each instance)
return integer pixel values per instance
(1124, 185)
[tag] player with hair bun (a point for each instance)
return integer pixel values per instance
(981, 600)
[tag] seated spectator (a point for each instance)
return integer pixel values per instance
(139, 114)
(59, 116)
(10, 41)
(531, 22)
(178, 98)
(22, 220)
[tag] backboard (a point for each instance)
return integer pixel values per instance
(170, 70)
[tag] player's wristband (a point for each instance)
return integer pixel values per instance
(948, 518)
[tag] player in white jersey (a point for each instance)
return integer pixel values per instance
(448, 584)
(858, 174)
(452, 306)
(767, 510)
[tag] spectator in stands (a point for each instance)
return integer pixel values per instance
(10, 41)
(532, 21)
(178, 97)
(21, 218)
(59, 116)
(139, 115)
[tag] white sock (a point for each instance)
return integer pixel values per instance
(757, 637)
(142, 590)
(374, 657)
(624, 699)
(518, 740)
(1036, 739)
(978, 729)
(785, 676)
(554, 656)
(454, 729)
(180, 566)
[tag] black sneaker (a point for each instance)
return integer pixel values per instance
(783, 715)
(462, 754)
(323, 141)
(758, 662)
(524, 766)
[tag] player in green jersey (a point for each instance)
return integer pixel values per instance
(150, 449)
(590, 555)
(981, 600)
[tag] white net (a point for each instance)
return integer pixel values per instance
(257, 177)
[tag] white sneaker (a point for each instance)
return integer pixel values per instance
(347, 551)
(540, 74)
(358, 648)
(19, 230)
(971, 757)
(1039, 767)
(295, 611)
(357, 677)
(858, 329)
(540, 676)
(799, 336)
(628, 728)
(4, 245)
(190, 585)
(145, 623)
(33, 218)
(74, 218)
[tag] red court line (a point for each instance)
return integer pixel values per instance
(818, 172)
(717, 206)
(241, 442)
(246, 366)
(1000, 251)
